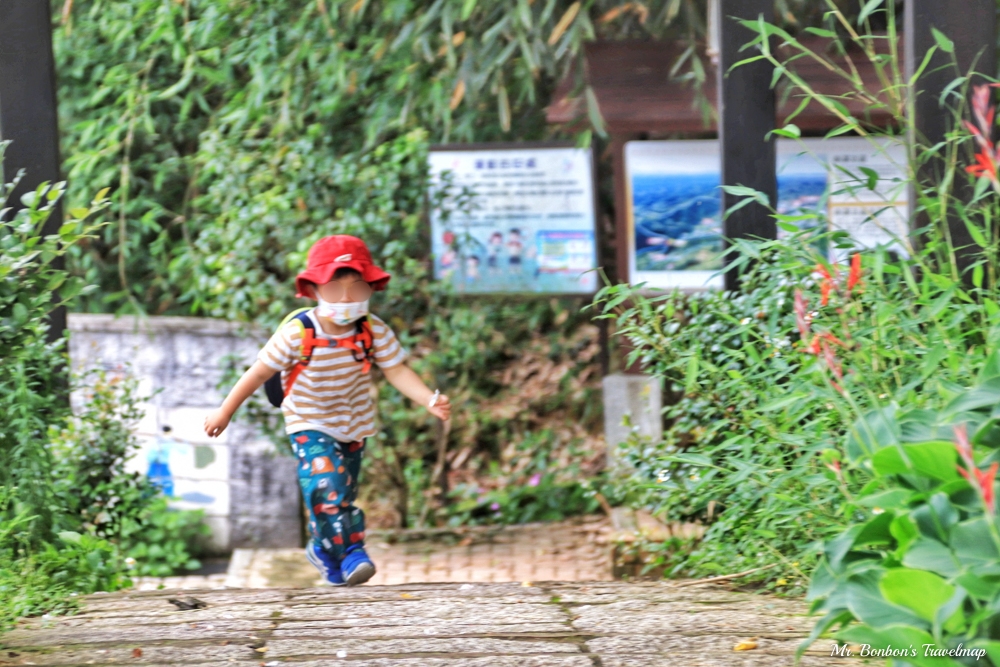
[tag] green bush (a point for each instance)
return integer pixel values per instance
(766, 383)
(70, 515)
(47, 578)
(920, 564)
(96, 494)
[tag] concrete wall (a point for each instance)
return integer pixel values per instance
(248, 491)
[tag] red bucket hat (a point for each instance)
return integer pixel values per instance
(340, 252)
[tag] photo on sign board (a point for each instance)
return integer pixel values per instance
(674, 202)
(514, 219)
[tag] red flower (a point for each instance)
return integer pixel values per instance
(826, 285)
(814, 346)
(988, 155)
(831, 361)
(801, 307)
(984, 482)
(981, 480)
(854, 277)
(826, 335)
(963, 446)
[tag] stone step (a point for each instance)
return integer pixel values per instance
(544, 624)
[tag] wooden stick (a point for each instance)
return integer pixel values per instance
(603, 502)
(725, 577)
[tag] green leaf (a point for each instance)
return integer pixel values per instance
(820, 32)
(691, 375)
(891, 499)
(70, 536)
(838, 547)
(872, 175)
(921, 591)
(943, 42)
(876, 530)
(872, 432)
(936, 517)
(867, 10)
(976, 233)
(984, 588)
(467, 8)
(866, 602)
(79, 213)
(931, 459)
(789, 131)
(974, 547)
(991, 367)
(904, 531)
(783, 402)
(985, 395)
(928, 554)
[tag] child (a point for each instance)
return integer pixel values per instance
(514, 249)
(328, 408)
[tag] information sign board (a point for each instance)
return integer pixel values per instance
(673, 199)
(529, 225)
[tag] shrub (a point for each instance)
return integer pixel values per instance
(919, 567)
(97, 495)
(68, 509)
(767, 383)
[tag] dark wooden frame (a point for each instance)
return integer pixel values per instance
(746, 144)
(28, 113)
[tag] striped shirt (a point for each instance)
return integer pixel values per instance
(331, 394)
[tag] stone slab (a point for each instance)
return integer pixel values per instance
(561, 624)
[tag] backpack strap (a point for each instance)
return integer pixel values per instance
(361, 343)
(308, 343)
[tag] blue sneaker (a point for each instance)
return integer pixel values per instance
(325, 563)
(357, 567)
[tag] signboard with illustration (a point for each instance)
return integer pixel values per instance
(674, 203)
(514, 219)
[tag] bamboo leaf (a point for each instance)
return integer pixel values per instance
(867, 10)
(503, 108)
(457, 94)
(564, 23)
(942, 41)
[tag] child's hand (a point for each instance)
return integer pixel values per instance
(216, 423)
(441, 408)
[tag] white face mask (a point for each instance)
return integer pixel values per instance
(342, 313)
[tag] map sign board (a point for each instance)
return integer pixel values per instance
(516, 218)
(674, 203)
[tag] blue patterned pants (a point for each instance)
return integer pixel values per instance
(328, 476)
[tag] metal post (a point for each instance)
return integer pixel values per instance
(972, 27)
(746, 116)
(28, 115)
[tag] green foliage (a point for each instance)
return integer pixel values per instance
(234, 132)
(541, 499)
(161, 541)
(32, 394)
(68, 509)
(97, 494)
(767, 384)
(45, 579)
(922, 557)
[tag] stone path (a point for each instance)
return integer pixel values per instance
(572, 550)
(577, 549)
(598, 624)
